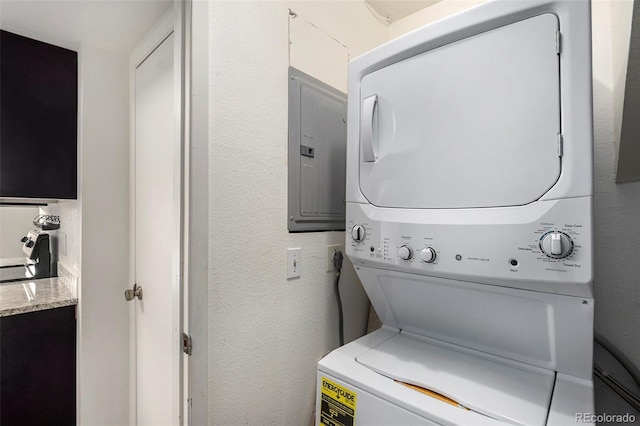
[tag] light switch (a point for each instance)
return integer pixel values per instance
(294, 266)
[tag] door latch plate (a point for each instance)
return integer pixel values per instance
(187, 345)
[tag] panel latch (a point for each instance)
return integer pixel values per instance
(307, 151)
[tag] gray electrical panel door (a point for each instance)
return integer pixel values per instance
(317, 154)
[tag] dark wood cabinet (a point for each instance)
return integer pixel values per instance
(38, 119)
(38, 368)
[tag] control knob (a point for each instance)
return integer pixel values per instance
(428, 254)
(556, 244)
(358, 233)
(405, 252)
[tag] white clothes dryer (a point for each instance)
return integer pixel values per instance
(469, 217)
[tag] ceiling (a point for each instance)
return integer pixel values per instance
(113, 25)
(118, 25)
(392, 10)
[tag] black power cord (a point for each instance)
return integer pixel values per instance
(622, 391)
(337, 263)
(619, 356)
(609, 380)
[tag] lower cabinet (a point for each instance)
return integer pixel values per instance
(38, 368)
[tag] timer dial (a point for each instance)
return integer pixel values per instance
(358, 233)
(556, 244)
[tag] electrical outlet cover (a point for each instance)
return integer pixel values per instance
(329, 257)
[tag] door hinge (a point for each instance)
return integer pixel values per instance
(187, 344)
(558, 42)
(560, 145)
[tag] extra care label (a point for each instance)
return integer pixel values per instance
(338, 405)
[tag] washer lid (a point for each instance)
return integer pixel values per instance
(505, 391)
(474, 123)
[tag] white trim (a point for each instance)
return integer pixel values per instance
(179, 211)
(184, 17)
(79, 307)
(154, 37)
(198, 217)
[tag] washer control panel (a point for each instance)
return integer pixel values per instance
(548, 249)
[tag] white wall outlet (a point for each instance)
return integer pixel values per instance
(330, 250)
(294, 262)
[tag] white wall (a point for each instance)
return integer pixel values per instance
(616, 206)
(620, 27)
(15, 222)
(197, 323)
(430, 14)
(266, 333)
(70, 213)
(103, 346)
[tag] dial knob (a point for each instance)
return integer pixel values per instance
(556, 244)
(24, 239)
(30, 244)
(428, 254)
(358, 233)
(405, 252)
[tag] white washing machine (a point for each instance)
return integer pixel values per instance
(469, 205)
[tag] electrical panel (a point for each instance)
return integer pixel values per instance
(317, 154)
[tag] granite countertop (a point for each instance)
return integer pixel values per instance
(33, 295)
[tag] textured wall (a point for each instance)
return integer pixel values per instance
(616, 206)
(626, 88)
(266, 332)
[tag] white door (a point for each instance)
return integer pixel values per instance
(157, 236)
(449, 127)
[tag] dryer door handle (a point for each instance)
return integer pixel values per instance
(369, 129)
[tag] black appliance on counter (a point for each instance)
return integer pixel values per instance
(41, 261)
(40, 248)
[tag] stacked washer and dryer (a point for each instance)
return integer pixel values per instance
(469, 205)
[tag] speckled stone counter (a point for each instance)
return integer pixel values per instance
(33, 295)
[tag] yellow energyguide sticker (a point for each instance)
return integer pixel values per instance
(338, 404)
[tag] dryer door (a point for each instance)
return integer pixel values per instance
(474, 123)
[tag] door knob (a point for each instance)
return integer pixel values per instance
(135, 292)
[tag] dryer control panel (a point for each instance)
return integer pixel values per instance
(543, 251)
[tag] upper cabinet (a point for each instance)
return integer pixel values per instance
(38, 120)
